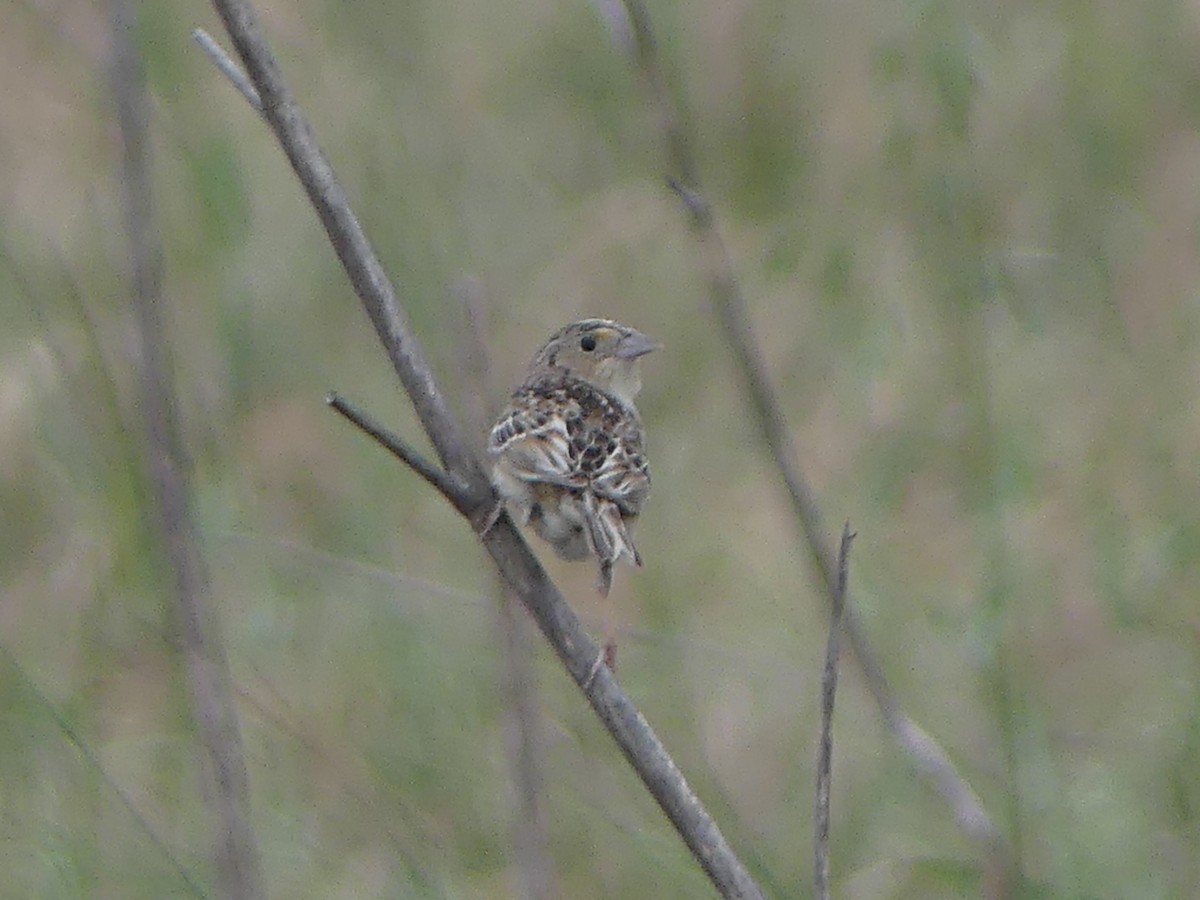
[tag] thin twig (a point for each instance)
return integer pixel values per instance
(213, 709)
(227, 66)
(446, 484)
(828, 692)
(516, 563)
(729, 304)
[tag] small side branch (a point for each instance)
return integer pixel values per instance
(228, 67)
(445, 484)
(825, 751)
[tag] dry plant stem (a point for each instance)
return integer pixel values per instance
(523, 575)
(228, 68)
(828, 692)
(519, 568)
(447, 485)
(236, 849)
(526, 752)
(927, 755)
(523, 732)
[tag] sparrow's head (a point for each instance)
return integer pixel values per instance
(601, 352)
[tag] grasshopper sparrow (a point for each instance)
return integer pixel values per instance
(567, 451)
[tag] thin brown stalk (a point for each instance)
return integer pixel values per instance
(228, 68)
(213, 709)
(524, 738)
(447, 485)
(927, 756)
(518, 567)
(828, 693)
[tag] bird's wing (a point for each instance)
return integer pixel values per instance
(577, 437)
(533, 439)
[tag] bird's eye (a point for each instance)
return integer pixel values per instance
(588, 343)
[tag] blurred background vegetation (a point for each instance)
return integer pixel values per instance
(968, 234)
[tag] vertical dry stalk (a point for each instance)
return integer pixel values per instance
(523, 733)
(205, 666)
(928, 757)
(828, 693)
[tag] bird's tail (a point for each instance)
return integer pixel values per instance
(608, 533)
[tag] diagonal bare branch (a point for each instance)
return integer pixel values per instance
(350, 242)
(519, 568)
(523, 573)
(729, 304)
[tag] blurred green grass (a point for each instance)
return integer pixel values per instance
(968, 236)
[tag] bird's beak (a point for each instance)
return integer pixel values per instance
(636, 344)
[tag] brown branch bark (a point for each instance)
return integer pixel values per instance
(236, 848)
(518, 567)
(444, 483)
(928, 757)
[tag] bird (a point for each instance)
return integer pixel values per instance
(567, 452)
